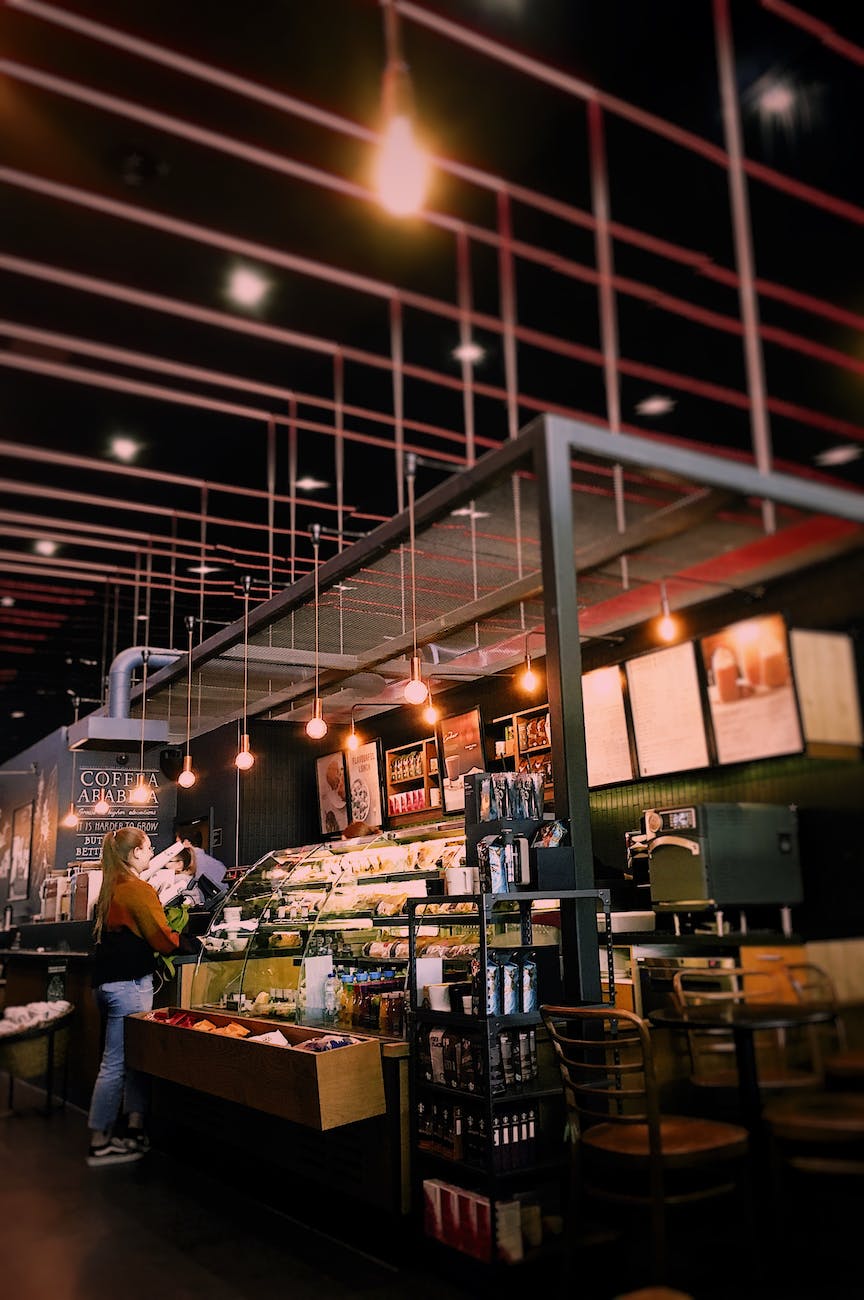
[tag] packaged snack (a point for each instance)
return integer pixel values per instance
(509, 987)
(528, 984)
(493, 987)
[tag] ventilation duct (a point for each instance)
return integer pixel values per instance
(112, 728)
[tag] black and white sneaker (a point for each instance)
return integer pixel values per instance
(112, 1152)
(136, 1140)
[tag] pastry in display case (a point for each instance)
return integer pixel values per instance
(318, 935)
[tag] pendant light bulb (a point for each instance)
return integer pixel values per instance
(71, 818)
(187, 777)
(101, 806)
(430, 714)
(316, 727)
(353, 741)
(140, 795)
(245, 758)
(415, 690)
(667, 626)
(401, 169)
(528, 680)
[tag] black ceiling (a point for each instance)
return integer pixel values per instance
(132, 184)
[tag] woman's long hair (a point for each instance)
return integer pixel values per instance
(116, 848)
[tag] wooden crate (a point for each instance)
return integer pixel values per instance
(321, 1090)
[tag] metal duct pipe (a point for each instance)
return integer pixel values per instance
(121, 670)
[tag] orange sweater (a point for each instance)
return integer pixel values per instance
(135, 906)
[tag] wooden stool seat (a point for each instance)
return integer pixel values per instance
(846, 1066)
(768, 1079)
(682, 1137)
(818, 1117)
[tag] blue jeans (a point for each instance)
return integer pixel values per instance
(114, 1083)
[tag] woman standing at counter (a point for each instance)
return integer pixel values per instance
(130, 928)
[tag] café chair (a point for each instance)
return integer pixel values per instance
(842, 1066)
(785, 1059)
(624, 1150)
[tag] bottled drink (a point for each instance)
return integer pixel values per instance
(330, 997)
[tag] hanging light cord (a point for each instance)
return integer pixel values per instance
(190, 624)
(316, 539)
(145, 659)
(410, 471)
(247, 583)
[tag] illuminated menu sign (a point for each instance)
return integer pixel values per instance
(750, 690)
(606, 742)
(667, 711)
(827, 687)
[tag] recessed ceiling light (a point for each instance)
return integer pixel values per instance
(470, 352)
(7, 602)
(44, 547)
(656, 404)
(841, 455)
(17, 713)
(124, 448)
(247, 287)
(203, 569)
(309, 484)
(470, 514)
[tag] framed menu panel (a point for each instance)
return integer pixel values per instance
(750, 690)
(461, 752)
(19, 868)
(826, 679)
(666, 706)
(364, 783)
(606, 739)
(332, 801)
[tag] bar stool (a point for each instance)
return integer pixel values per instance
(843, 1067)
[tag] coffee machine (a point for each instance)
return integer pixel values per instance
(704, 857)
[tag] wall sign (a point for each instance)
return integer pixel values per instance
(827, 687)
(332, 799)
(364, 783)
(462, 751)
(750, 690)
(22, 838)
(102, 803)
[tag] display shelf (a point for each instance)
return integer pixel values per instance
(513, 1093)
(461, 1020)
(412, 782)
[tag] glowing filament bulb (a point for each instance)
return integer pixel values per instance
(244, 758)
(141, 794)
(528, 679)
(101, 806)
(71, 818)
(402, 169)
(353, 741)
(187, 777)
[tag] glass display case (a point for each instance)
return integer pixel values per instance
(318, 934)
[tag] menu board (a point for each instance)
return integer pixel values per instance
(462, 749)
(606, 741)
(750, 690)
(364, 784)
(667, 711)
(827, 687)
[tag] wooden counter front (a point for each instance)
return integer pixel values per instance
(320, 1090)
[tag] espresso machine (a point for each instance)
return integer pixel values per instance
(707, 857)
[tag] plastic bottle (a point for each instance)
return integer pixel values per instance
(330, 997)
(346, 1000)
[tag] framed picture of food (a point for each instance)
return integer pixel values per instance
(332, 797)
(364, 783)
(462, 752)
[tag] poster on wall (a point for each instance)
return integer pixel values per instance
(332, 800)
(825, 675)
(102, 801)
(667, 711)
(750, 690)
(19, 869)
(462, 752)
(364, 783)
(606, 741)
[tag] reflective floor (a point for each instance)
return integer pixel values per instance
(166, 1228)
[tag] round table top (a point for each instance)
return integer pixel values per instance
(744, 1015)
